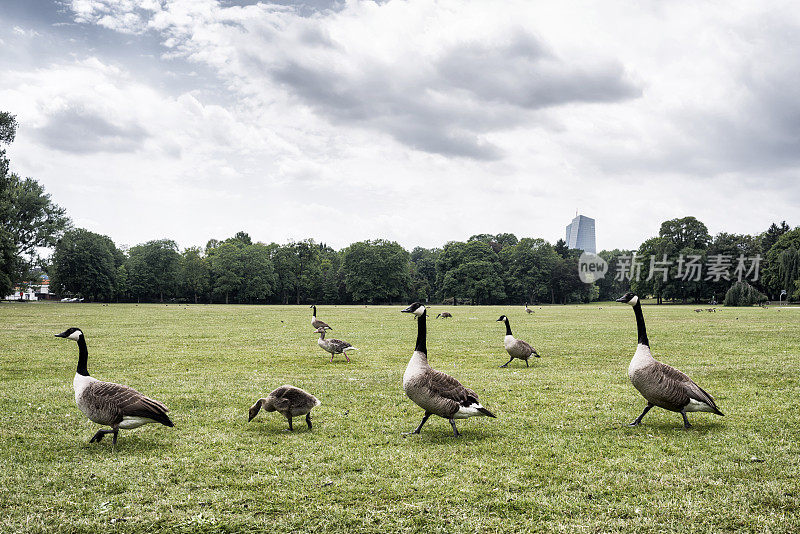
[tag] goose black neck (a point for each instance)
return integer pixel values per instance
(508, 327)
(83, 356)
(637, 310)
(422, 332)
(314, 311)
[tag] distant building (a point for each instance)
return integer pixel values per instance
(580, 234)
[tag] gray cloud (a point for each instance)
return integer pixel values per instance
(445, 107)
(78, 130)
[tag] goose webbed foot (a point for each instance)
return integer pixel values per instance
(99, 435)
(456, 433)
(416, 430)
(638, 420)
(308, 420)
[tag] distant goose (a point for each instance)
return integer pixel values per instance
(527, 309)
(434, 391)
(106, 403)
(660, 384)
(288, 401)
(516, 348)
(316, 323)
(334, 346)
(444, 315)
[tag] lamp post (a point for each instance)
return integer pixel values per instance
(783, 292)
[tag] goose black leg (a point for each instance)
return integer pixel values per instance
(639, 419)
(308, 420)
(416, 431)
(686, 424)
(509, 361)
(99, 435)
(289, 418)
(114, 439)
(455, 430)
(526, 363)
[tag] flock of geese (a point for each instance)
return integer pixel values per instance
(437, 393)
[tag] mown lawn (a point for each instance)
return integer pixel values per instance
(560, 456)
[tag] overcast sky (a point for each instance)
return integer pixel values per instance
(420, 122)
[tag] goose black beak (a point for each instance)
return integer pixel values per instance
(407, 310)
(62, 334)
(622, 299)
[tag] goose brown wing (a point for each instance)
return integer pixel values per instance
(339, 345)
(317, 324)
(451, 389)
(525, 347)
(287, 397)
(120, 401)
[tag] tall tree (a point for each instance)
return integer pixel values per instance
(29, 219)
(685, 232)
(195, 273)
(154, 270)
(376, 271)
(83, 264)
(780, 272)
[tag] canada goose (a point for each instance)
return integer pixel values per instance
(434, 391)
(334, 346)
(444, 315)
(527, 309)
(288, 401)
(316, 323)
(106, 403)
(660, 384)
(697, 310)
(516, 348)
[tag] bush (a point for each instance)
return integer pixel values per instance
(743, 294)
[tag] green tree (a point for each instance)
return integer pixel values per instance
(29, 219)
(83, 264)
(527, 269)
(656, 255)
(376, 271)
(471, 271)
(772, 234)
(154, 270)
(195, 273)
(685, 232)
(782, 263)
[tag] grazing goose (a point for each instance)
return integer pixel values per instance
(316, 323)
(660, 384)
(106, 403)
(516, 348)
(334, 346)
(434, 391)
(288, 401)
(444, 315)
(527, 309)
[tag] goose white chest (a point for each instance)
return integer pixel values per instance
(508, 341)
(641, 359)
(417, 365)
(79, 384)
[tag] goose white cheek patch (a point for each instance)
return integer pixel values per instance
(75, 335)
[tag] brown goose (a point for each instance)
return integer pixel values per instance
(444, 315)
(334, 346)
(434, 391)
(527, 309)
(316, 323)
(288, 401)
(516, 348)
(106, 403)
(660, 384)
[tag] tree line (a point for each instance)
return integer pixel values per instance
(485, 269)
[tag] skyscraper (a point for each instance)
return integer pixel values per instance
(580, 234)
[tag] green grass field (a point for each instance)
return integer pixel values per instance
(559, 457)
